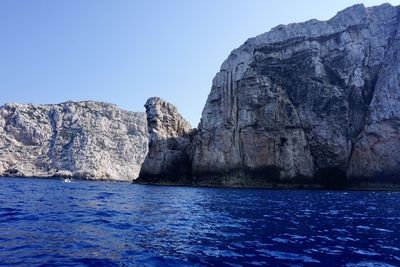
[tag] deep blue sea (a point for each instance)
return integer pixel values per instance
(52, 223)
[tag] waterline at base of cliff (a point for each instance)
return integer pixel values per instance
(229, 182)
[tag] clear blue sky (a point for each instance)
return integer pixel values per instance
(126, 51)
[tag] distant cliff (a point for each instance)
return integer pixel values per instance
(313, 102)
(79, 139)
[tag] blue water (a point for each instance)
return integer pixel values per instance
(118, 224)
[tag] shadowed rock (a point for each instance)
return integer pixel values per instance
(169, 138)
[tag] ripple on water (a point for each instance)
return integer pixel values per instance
(281, 255)
(280, 240)
(331, 251)
(383, 230)
(390, 247)
(366, 252)
(369, 264)
(346, 239)
(363, 227)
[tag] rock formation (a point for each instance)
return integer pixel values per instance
(169, 139)
(80, 139)
(306, 102)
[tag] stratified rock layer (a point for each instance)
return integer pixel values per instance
(169, 135)
(80, 139)
(308, 101)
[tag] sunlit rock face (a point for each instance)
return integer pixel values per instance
(169, 139)
(80, 139)
(313, 102)
(307, 101)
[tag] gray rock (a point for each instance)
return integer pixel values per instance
(81, 139)
(169, 135)
(307, 101)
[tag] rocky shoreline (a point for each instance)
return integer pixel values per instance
(305, 105)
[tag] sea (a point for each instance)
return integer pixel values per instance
(47, 222)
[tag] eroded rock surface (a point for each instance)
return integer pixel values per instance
(169, 139)
(307, 100)
(315, 102)
(81, 139)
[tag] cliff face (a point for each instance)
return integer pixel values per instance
(307, 101)
(315, 102)
(169, 139)
(81, 139)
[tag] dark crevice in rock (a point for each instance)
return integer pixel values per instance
(53, 138)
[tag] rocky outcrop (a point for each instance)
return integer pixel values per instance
(169, 139)
(80, 139)
(314, 103)
(310, 102)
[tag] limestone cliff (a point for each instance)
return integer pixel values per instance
(306, 102)
(169, 135)
(81, 139)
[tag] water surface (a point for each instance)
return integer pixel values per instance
(48, 222)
